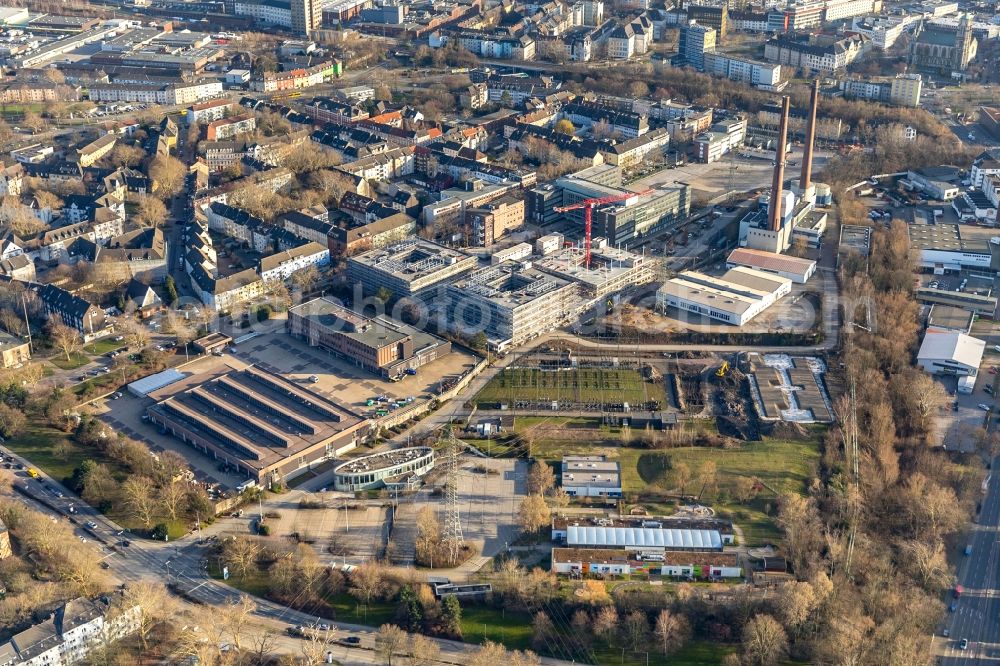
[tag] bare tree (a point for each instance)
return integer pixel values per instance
(136, 335)
(173, 494)
(534, 513)
(241, 553)
(423, 651)
(672, 630)
(65, 338)
(541, 478)
(153, 604)
(306, 278)
(236, 618)
(152, 212)
(169, 172)
(367, 581)
(389, 642)
(764, 641)
(140, 498)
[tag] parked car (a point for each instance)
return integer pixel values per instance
(984, 406)
(963, 644)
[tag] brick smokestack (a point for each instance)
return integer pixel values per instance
(807, 152)
(774, 214)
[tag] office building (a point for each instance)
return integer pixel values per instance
(416, 268)
(382, 346)
(510, 303)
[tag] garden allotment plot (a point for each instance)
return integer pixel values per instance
(580, 388)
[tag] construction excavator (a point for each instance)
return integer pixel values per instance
(723, 369)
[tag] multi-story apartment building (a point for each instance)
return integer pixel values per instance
(694, 41)
(816, 54)
(207, 112)
(281, 265)
(764, 75)
(306, 15)
(491, 221)
(71, 310)
(226, 128)
(626, 123)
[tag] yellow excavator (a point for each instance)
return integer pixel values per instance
(723, 369)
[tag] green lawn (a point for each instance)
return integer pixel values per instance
(103, 346)
(608, 385)
(696, 653)
(38, 443)
(512, 628)
(75, 361)
(781, 465)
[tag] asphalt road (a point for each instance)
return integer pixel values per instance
(184, 565)
(977, 612)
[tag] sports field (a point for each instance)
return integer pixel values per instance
(586, 385)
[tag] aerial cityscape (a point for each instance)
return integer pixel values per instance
(478, 332)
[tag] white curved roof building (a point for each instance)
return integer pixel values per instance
(641, 537)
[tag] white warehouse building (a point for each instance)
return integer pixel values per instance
(735, 298)
(952, 353)
(590, 536)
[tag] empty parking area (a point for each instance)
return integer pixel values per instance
(341, 380)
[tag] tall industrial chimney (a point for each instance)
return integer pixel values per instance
(774, 214)
(807, 152)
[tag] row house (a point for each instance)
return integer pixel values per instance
(298, 78)
(280, 266)
(396, 163)
(310, 224)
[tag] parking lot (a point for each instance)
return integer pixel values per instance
(488, 504)
(341, 380)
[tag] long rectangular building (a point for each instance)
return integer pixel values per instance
(735, 298)
(625, 561)
(381, 346)
(416, 269)
(266, 426)
(510, 303)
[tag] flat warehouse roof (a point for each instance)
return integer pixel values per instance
(770, 261)
(260, 417)
(639, 537)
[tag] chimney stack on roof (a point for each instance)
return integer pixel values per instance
(807, 152)
(774, 214)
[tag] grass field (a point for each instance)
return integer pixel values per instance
(51, 451)
(607, 385)
(103, 346)
(781, 465)
(75, 361)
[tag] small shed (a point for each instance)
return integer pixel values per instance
(143, 387)
(212, 342)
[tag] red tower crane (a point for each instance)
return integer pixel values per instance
(588, 206)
